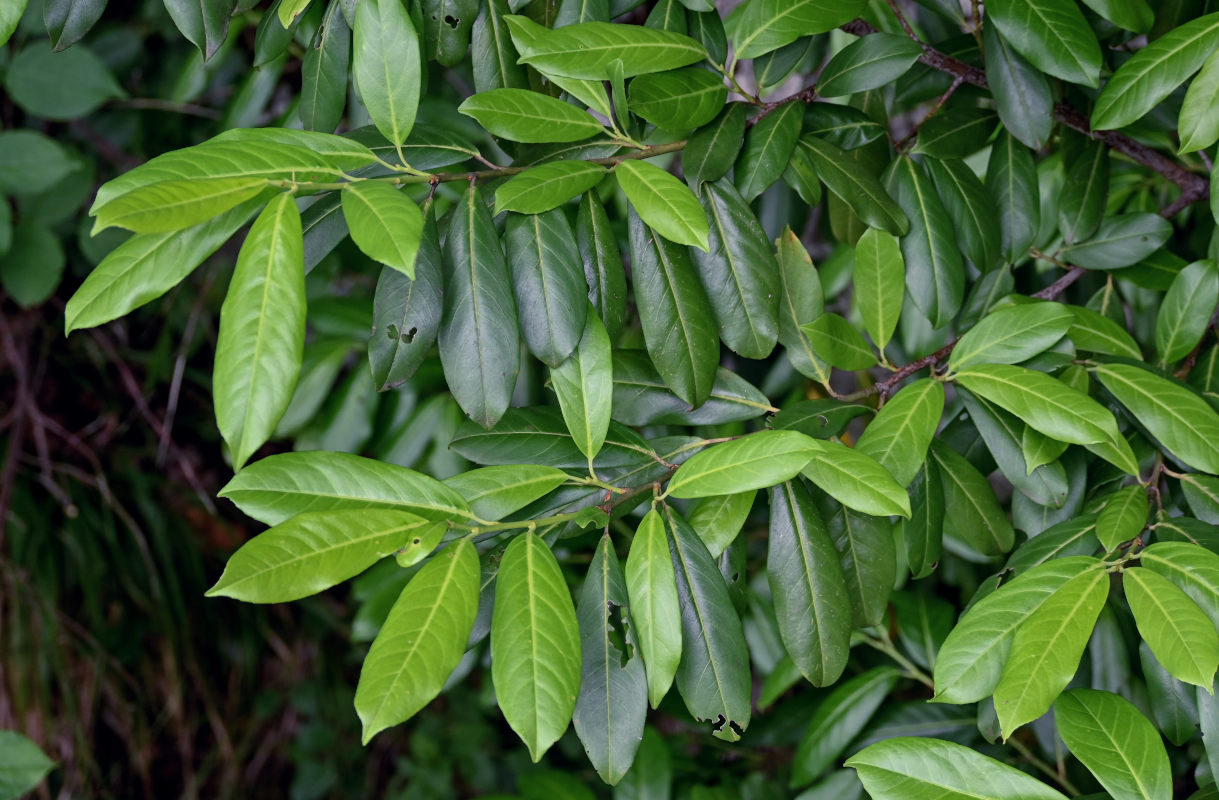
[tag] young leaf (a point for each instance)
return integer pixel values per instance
(1053, 35)
(496, 492)
(613, 701)
(664, 203)
(718, 519)
(587, 49)
(168, 206)
(524, 116)
(807, 585)
(387, 67)
(1186, 310)
(549, 286)
(868, 63)
(880, 275)
(547, 186)
(1115, 742)
(840, 717)
(856, 481)
(584, 384)
(758, 27)
(421, 641)
(1123, 517)
(652, 589)
(535, 644)
(1175, 628)
(901, 432)
(262, 331)
(755, 461)
(1012, 334)
(1194, 569)
(384, 223)
(868, 553)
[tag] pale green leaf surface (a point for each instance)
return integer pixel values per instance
(901, 432)
(1180, 635)
(755, 461)
(387, 66)
(856, 480)
(879, 281)
(1115, 742)
(524, 116)
(1043, 402)
(384, 223)
(652, 589)
(1012, 334)
(584, 385)
(585, 50)
(664, 203)
(495, 492)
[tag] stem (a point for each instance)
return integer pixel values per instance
(912, 671)
(1060, 778)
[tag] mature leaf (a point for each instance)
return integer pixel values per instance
(535, 644)
(547, 186)
(807, 585)
(801, 301)
(539, 436)
(205, 24)
(1085, 193)
(1186, 310)
(1123, 517)
(384, 223)
(1012, 334)
(584, 384)
(524, 116)
(972, 514)
(1022, 92)
(587, 49)
(838, 342)
(525, 33)
(868, 552)
(955, 133)
(60, 86)
(1180, 635)
(548, 283)
(613, 701)
(664, 203)
(1115, 742)
(679, 100)
(170, 206)
(711, 151)
(1044, 403)
(868, 63)
(1011, 177)
(1141, 83)
(1133, 15)
(935, 274)
(495, 492)
(856, 480)
(478, 332)
(387, 67)
(31, 162)
(923, 534)
(603, 270)
(1173, 704)
(1094, 332)
(768, 148)
(718, 519)
(493, 53)
(757, 27)
(1052, 34)
(652, 588)
(1194, 569)
(840, 717)
(1004, 435)
(642, 398)
(1199, 124)
(324, 72)
(446, 29)
(901, 432)
(755, 461)
(880, 278)
(859, 190)
(406, 314)
(1121, 240)
(971, 209)
(421, 641)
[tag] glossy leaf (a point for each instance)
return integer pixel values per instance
(496, 492)
(769, 145)
(757, 27)
(169, 206)
(838, 342)
(1012, 334)
(857, 481)
(1123, 517)
(547, 186)
(1198, 124)
(679, 100)
(1180, 635)
(603, 270)
(880, 278)
(868, 63)
(652, 589)
(384, 223)
(1022, 92)
(861, 191)
(839, 718)
(971, 209)
(711, 151)
(324, 72)
(1099, 334)
(901, 432)
(1084, 193)
(642, 398)
(548, 283)
(664, 203)
(935, 274)
(1121, 240)
(755, 461)
(1115, 742)
(406, 314)
(584, 385)
(1004, 436)
(586, 50)
(1186, 310)
(1194, 570)
(868, 553)
(718, 519)
(1052, 34)
(387, 66)
(972, 514)
(524, 116)
(1011, 177)
(10, 15)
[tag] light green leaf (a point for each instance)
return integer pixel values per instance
(1047, 648)
(755, 461)
(1121, 240)
(935, 273)
(1186, 310)
(840, 717)
(525, 32)
(547, 186)
(278, 487)
(584, 384)
(384, 223)
(421, 641)
(718, 519)
(801, 300)
(1123, 517)
(1180, 635)
(901, 432)
(169, 206)
(1141, 83)
(535, 644)
(907, 768)
(23, 765)
(807, 585)
(313, 551)
(680, 100)
(585, 50)
(1097, 333)
(387, 66)
(664, 203)
(551, 296)
(713, 674)
(1198, 123)
(613, 701)
(1052, 34)
(972, 514)
(856, 480)
(1012, 334)
(1115, 742)
(838, 342)
(1194, 569)
(1181, 420)
(652, 589)
(880, 279)
(495, 492)
(262, 331)
(10, 15)
(524, 116)
(859, 190)
(1202, 494)
(868, 63)
(758, 27)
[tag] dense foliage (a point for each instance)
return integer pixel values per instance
(864, 345)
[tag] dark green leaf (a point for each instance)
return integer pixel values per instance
(550, 289)
(901, 432)
(869, 563)
(868, 63)
(642, 398)
(1022, 93)
(1011, 177)
(840, 717)
(60, 86)
(711, 151)
(972, 515)
(603, 270)
(1186, 310)
(860, 190)
(406, 314)
(971, 210)
(768, 148)
(1052, 34)
(1085, 193)
(324, 72)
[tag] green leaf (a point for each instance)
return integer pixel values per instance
(1123, 517)
(539, 436)
(713, 674)
(281, 486)
(711, 151)
(31, 162)
(652, 588)
(1115, 742)
(718, 519)
(550, 294)
(672, 305)
(524, 116)
(146, 266)
(1043, 402)
(840, 717)
(1047, 648)
(603, 270)
(446, 29)
(1198, 123)
(755, 461)
(1181, 420)
(384, 223)
(651, 776)
(935, 274)
(1180, 635)
(821, 419)
(1194, 569)
(839, 343)
(1133, 15)
(387, 66)
(493, 53)
(923, 534)
(262, 331)
(1085, 193)
(23, 765)
(801, 301)
(613, 701)
(664, 203)
(970, 208)
(739, 273)
(525, 33)
(861, 191)
(1097, 333)
(1012, 334)
(869, 563)
(535, 644)
(1121, 240)
(1186, 310)
(880, 279)
(905, 768)
(757, 27)
(841, 126)
(324, 72)
(1141, 83)
(584, 384)
(313, 551)
(547, 186)
(205, 24)
(60, 86)
(642, 398)
(971, 660)
(1022, 92)
(173, 205)
(478, 340)
(585, 50)
(901, 432)
(856, 480)
(1052, 34)
(1202, 494)
(495, 492)
(955, 133)
(679, 100)
(807, 585)
(1004, 436)
(1011, 177)
(972, 515)
(10, 15)
(1173, 704)
(406, 314)
(768, 148)
(868, 63)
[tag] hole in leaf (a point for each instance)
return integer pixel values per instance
(416, 540)
(617, 633)
(392, 332)
(409, 336)
(452, 21)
